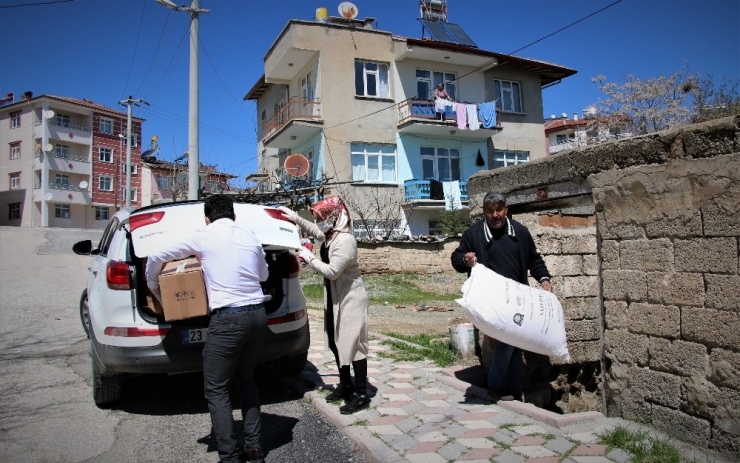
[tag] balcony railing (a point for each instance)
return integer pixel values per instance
(67, 125)
(424, 109)
(62, 186)
(73, 157)
(295, 108)
(418, 189)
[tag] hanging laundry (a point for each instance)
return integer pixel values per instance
(472, 110)
(435, 189)
(462, 116)
(488, 114)
(452, 195)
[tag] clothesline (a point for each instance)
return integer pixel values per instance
(470, 116)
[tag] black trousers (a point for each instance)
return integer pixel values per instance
(232, 343)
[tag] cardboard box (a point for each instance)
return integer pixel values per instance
(183, 290)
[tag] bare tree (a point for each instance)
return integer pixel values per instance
(377, 212)
(712, 101)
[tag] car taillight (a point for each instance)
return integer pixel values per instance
(291, 317)
(117, 275)
(139, 220)
(292, 267)
(135, 332)
(276, 214)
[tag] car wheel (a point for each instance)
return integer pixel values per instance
(292, 365)
(106, 389)
(85, 313)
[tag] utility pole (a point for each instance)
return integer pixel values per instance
(130, 102)
(193, 96)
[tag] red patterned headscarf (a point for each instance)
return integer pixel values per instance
(334, 211)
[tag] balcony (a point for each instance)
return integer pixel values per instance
(64, 194)
(418, 117)
(296, 123)
(73, 163)
(67, 132)
(419, 190)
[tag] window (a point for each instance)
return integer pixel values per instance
(106, 125)
(306, 90)
(508, 96)
(15, 180)
(15, 150)
(101, 213)
(134, 169)
(371, 79)
(373, 163)
(435, 227)
(509, 158)
(105, 154)
(62, 151)
(15, 120)
(441, 164)
(309, 156)
(164, 182)
(427, 81)
(61, 211)
(63, 120)
(134, 194)
(561, 139)
(62, 181)
(105, 183)
(14, 211)
(134, 140)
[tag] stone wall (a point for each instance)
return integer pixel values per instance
(667, 280)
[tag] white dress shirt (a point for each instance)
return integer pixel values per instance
(232, 260)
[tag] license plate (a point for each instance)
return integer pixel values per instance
(195, 336)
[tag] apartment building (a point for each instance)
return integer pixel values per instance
(562, 133)
(358, 103)
(65, 162)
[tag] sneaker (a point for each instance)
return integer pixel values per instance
(355, 403)
(339, 394)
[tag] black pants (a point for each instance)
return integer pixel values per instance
(232, 344)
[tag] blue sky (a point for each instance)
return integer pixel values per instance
(105, 50)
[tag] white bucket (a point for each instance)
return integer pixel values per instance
(462, 337)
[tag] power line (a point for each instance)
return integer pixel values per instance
(136, 46)
(35, 4)
(216, 72)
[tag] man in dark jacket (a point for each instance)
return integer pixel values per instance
(506, 247)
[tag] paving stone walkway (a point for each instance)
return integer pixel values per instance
(423, 413)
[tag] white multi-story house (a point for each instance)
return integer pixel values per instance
(358, 103)
(566, 134)
(65, 162)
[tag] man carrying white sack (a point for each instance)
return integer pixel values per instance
(506, 247)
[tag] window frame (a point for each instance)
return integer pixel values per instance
(14, 211)
(306, 88)
(516, 154)
(99, 213)
(380, 154)
(498, 90)
(14, 178)
(15, 150)
(62, 120)
(15, 119)
(105, 121)
(434, 78)
(134, 190)
(161, 186)
(134, 138)
(101, 179)
(134, 168)
(59, 210)
(436, 158)
(61, 181)
(63, 149)
(378, 73)
(100, 154)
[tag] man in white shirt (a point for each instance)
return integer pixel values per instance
(233, 264)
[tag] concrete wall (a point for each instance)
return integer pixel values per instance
(667, 231)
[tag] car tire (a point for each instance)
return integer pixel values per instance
(85, 313)
(291, 365)
(106, 389)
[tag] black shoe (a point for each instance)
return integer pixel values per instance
(496, 396)
(355, 403)
(340, 393)
(252, 456)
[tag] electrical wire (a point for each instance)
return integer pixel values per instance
(136, 46)
(208, 57)
(153, 59)
(35, 4)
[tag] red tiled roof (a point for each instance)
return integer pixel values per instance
(560, 124)
(89, 104)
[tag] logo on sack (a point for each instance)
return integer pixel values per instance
(518, 319)
(184, 295)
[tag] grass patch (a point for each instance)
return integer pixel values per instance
(399, 289)
(360, 423)
(643, 447)
(424, 349)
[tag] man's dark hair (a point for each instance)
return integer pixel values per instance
(494, 197)
(219, 207)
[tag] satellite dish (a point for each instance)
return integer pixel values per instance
(49, 114)
(83, 184)
(48, 147)
(348, 10)
(48, 196)
(296, 165)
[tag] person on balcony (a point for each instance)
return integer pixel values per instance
(345, 313)
(441, 101)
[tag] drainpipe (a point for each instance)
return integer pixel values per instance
(44, 158)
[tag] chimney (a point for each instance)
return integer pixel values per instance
(27, 96)
(575, 117)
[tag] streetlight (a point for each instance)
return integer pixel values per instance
(193, 123)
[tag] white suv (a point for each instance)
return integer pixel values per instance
(128, 337)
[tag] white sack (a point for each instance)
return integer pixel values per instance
(524, 317)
